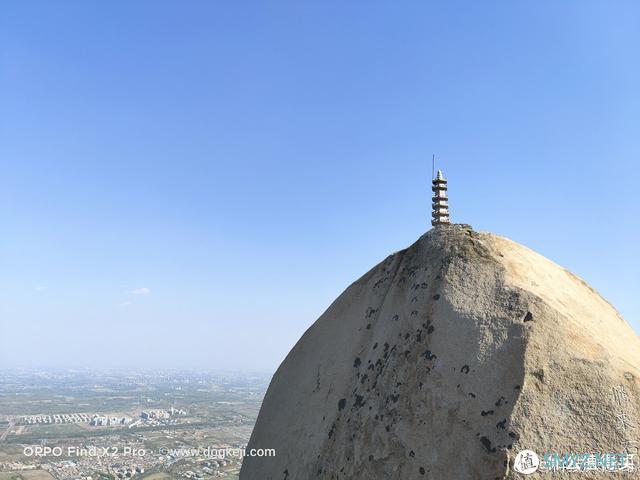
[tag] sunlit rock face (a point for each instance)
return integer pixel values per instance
(443, 362)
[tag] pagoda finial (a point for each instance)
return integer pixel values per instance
(440, 205)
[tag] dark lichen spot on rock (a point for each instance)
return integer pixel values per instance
(395, 318)
(502, 424)
(464, 369)
(472, 395)
(375, 345)
(371, 458)
(513, 435)
(430, 330)
(421, 470)
(368, 326)
(436, 296)
(428, 355)
(528, 317)
(487, 444)
(286, 474)
(414, 313)
(394, 398)
(359, 401)
(499, 402)
(333, 429)
(412, 453)
(517, 387)
(488, 412)
(357, 362)
(423, 285)
(539, 374)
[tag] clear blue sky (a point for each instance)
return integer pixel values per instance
(188, 184)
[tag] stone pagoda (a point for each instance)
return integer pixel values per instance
(440, 213)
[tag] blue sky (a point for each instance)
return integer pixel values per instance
(190, 184)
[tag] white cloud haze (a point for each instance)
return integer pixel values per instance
(141, 291)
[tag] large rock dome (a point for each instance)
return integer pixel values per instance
(444, 361)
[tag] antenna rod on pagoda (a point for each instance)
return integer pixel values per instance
(433, 166)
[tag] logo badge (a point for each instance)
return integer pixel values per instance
(526, 462)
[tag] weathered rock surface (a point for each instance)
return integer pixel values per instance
(444, 361)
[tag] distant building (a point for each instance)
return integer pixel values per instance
(440, 201)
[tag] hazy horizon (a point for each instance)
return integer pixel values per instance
(192, 185)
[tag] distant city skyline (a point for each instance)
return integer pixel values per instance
(191, 186)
